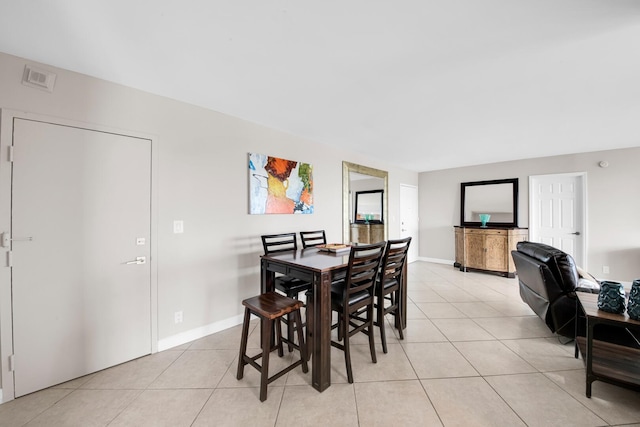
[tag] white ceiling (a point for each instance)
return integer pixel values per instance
(424, 84)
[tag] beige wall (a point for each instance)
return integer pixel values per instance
(202, 167)
(613, 203)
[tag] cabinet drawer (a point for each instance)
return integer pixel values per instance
(491, 231)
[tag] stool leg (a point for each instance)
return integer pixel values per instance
(279, 337)
(266, 347)
(243, 344)
(290, 331)
(301, 343)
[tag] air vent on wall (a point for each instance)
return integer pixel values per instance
(38, 78)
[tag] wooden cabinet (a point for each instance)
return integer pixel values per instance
(487, 249)
(367, 233)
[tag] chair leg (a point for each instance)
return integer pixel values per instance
(398, 316)
(243, 344)
(347, 352)
(370, 332)
(264, 371)
(380, 317)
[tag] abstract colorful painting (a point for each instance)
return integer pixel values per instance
(279, 186)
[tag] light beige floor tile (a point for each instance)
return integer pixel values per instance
(512, 307)
(196, 369)
(137, 374)
(422, 330)
(228, 339)
(456, 295)
(251, 377)
(540, 402)
(516, 327)
(462, 330)
(305, 406)
(86, 408)
(163, 408)
(394, 403)
(438, 360)
(616, 405)
(469, 402)
(477, 309)
(389, 367)
(338, 372)
(425, 296)
(440, 310)
(493, 358)
(413, 312)
(545, 354)
(75, 383)
(23, 409)
(241, 408)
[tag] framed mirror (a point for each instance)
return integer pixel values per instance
(352, 175)
(498, 198)
(369, 207)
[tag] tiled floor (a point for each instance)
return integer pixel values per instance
(473, 355)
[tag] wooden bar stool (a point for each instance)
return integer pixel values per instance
(270, 307)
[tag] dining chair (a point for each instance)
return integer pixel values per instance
(389, 286)
(290, 286)
(312, 238)
(353, 299)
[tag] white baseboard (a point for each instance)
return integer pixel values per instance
(197, 333)
(437, 260)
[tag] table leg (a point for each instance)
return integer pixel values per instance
(589, 351)
(321, 333)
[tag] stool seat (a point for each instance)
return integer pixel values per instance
(270, 307)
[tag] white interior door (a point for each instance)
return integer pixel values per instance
(81, 210)
(558, 213)
(409, 220)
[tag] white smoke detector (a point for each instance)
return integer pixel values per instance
(38, 78)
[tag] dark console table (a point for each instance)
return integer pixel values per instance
(606, 361)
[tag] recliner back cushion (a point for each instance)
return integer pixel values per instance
(561, 264)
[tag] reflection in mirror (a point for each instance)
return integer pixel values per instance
(498, 198)
(354, 178)
(369, 207)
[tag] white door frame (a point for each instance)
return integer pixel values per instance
(533, 229)
(414, 248)
(6, 322)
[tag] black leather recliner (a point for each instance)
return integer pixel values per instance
(549, 280)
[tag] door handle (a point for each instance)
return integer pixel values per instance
(577, 233)
(6, 239)
(139, 260)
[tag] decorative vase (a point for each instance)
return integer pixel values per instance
(633, 307)
(484, 218)
(611, 297)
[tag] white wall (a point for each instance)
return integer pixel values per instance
(202, 163)
(613, 203)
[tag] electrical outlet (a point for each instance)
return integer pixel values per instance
(605, 269)
(177, 317)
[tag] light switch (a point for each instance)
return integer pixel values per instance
(178, 226)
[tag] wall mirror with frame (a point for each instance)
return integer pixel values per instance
(369, 207)
(498, 198)
(359, 178)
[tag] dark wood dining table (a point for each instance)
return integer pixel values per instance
(318, 268)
